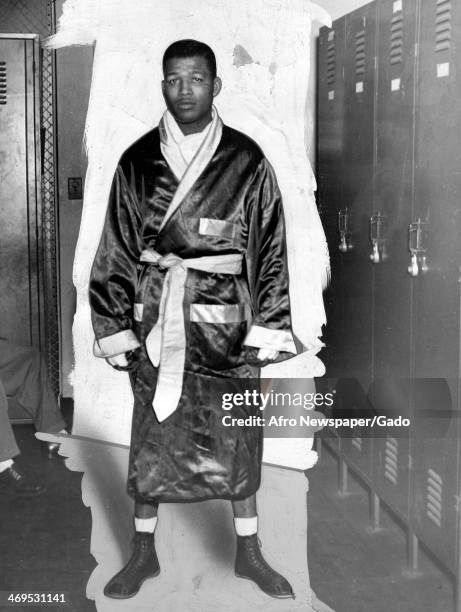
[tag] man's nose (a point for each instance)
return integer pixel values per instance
(185, 86)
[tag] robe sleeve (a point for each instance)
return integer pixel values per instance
(267, 267)
(114, 273)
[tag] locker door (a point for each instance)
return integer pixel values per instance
(358, 190)
(436, 452)
(394, 181)
(391, 448)
(19, 190)
(392, 213)
(330, 156)
(437, 298)
(438, 190)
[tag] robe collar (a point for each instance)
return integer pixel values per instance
(187, 174)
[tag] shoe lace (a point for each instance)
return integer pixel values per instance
(16, 474)
(256, 557)
(141, 545)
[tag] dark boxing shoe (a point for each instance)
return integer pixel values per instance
(50, 450)
(250, 564)
(142, 564)
(14, 480)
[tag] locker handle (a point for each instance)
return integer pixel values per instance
(417, 240)
(378, 237)
(345, 241)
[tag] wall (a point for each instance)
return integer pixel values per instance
(338, 8)
(73, 79)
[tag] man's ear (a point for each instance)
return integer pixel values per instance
(217, 85)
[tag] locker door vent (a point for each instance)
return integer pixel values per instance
(434, 497)
(397, 38)
(3, 92)
(360, 53)
(443, 26)
(391, 455)
(357, 443)
(331, 61)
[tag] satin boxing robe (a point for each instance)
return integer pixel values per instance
(234, 207)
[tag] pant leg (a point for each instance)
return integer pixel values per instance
(24, 375)
(8, 446)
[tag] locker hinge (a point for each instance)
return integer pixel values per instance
(416, 49)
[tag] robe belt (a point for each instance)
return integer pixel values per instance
(166, 341)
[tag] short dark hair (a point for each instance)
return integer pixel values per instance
(189, 48)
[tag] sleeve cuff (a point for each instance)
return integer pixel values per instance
(272, 339)
(118, 343)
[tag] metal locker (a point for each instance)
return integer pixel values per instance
(359, 75)
(391, 446)
(356, 443)
(435, 243)
(435, 240)
(394, 185)
(330, 156)
(391, 214)
(435, 456)
(357, 184)
(20, 258)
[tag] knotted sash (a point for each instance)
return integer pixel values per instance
(166, 341)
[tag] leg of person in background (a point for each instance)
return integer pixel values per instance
(11, 477)
(24, 374)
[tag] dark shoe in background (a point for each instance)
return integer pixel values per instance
(50, 450)
(14, 480)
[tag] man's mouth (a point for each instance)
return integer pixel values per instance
(185, 104)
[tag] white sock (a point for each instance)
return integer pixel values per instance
(4, 465)
(246, 526)
(145, 524)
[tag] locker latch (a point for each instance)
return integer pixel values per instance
(417, 241)
(345, 240)
(378, 237)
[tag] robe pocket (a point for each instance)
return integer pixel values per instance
(216, 227)
(219, 313)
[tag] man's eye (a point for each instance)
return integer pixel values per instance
(172, 81)
(198, 79)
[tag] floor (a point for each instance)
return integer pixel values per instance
(353, 569)
(45, 544)
(45, 540)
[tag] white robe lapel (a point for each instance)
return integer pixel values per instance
(187, 174)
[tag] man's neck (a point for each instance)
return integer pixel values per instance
(196, 127)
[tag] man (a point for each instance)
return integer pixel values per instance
(189, 292)
(24, 379)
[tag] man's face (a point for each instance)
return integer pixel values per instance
(189, 88)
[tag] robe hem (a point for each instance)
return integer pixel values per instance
(176, 500)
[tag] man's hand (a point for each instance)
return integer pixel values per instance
(259, 357)
(124, 362)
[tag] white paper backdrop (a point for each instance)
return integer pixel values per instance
(262, 49)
